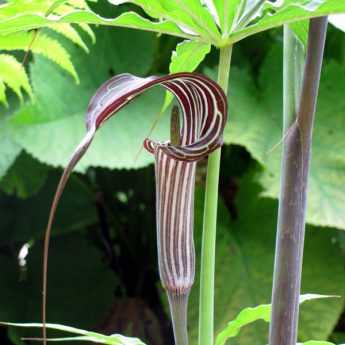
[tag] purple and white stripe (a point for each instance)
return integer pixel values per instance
(204, 113)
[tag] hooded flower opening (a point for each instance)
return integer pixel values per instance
(203, 113)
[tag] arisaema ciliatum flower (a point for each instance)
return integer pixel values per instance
(203, 109)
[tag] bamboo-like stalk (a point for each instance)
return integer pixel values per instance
(298, 126)
(208, 250)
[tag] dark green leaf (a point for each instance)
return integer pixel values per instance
(25, 177)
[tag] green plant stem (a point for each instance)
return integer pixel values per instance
(298, 127)
(206, 304)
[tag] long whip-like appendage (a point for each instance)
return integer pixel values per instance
(78, 154)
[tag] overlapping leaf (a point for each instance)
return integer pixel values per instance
(194, 19)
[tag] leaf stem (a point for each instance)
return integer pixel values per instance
(298, 123)
(206, 304)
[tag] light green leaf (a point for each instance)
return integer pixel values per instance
(70, 33)
(24, 22)
(289, 11)
(3, 94)
(76, 212)
(301, 30)
(250, 315)
(188, 55)
(43, 45)
(86, 28)
(244, 265)
(51, 129)
(186, 58)
(115, 339)
(189, 15)
(13, 74)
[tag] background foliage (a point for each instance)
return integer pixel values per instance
(103, 272)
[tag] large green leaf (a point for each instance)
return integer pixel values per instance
(255, 122)
(244, 265)
(51, 128)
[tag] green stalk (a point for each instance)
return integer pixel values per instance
(298, 127)
(206, 303)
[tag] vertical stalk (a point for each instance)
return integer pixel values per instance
(294, 179)
(206, 304)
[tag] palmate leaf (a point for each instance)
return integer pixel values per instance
(31, 20)
(188, 19)
(189, 15)
(252, 314)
